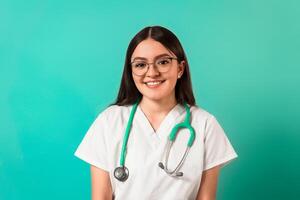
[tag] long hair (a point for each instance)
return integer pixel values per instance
(129, 94)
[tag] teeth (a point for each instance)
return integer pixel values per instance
(153, 83)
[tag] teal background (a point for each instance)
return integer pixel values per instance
(61, 64)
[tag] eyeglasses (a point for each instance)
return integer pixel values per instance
(163, 65)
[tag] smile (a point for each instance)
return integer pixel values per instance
(153, 84)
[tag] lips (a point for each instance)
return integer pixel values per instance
(155, 83)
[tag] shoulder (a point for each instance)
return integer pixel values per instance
(206, 121)
(203, 118)
(115, 111)
(200, 114)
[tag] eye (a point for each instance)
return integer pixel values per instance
(163, 61)
(139, 64)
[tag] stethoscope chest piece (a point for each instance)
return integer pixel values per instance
(121, 173)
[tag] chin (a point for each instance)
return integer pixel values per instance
(154, 97)
(155, 94)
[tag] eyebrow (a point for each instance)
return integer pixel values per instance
(158, 56)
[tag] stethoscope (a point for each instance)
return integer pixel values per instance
(121, 173)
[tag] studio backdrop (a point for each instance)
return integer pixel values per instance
(61, 64)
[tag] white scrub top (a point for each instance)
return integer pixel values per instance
(101, 147)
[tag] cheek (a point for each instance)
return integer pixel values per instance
(137, 81)
(172, 83)
(172, 79)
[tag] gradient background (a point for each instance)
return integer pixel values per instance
(61, 64)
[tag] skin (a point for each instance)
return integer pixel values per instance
(101, 185)
(208, 185)
(156, 104)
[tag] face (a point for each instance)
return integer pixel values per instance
(148, 50)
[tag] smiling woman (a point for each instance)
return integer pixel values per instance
(135, 145)
(163, 74)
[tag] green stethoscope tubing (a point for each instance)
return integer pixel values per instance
(185, 124)
(127, 132)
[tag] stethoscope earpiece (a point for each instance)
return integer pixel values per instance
(121, 173)
(161, 165)
(179, 173)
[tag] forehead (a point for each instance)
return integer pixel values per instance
(149, 49)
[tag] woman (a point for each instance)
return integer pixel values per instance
(132, 161)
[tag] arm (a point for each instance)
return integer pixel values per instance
(208, 186)
(101, 186)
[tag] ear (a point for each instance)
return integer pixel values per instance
(181, 68)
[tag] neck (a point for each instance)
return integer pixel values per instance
(161, 106)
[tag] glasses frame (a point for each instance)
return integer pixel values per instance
(148, 65)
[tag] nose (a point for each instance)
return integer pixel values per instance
(152, 71)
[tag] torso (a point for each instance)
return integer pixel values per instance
(145, 148)
(155, 121)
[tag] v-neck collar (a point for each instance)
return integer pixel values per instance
(168, 121)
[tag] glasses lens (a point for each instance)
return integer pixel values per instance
(139, 67)
(163, 64)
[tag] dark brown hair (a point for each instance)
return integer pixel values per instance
(129, 94)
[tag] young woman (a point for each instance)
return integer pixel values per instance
(135, 146)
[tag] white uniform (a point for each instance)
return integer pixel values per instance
(102, 145)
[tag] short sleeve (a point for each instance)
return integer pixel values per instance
(93, 147)
(217, 147)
